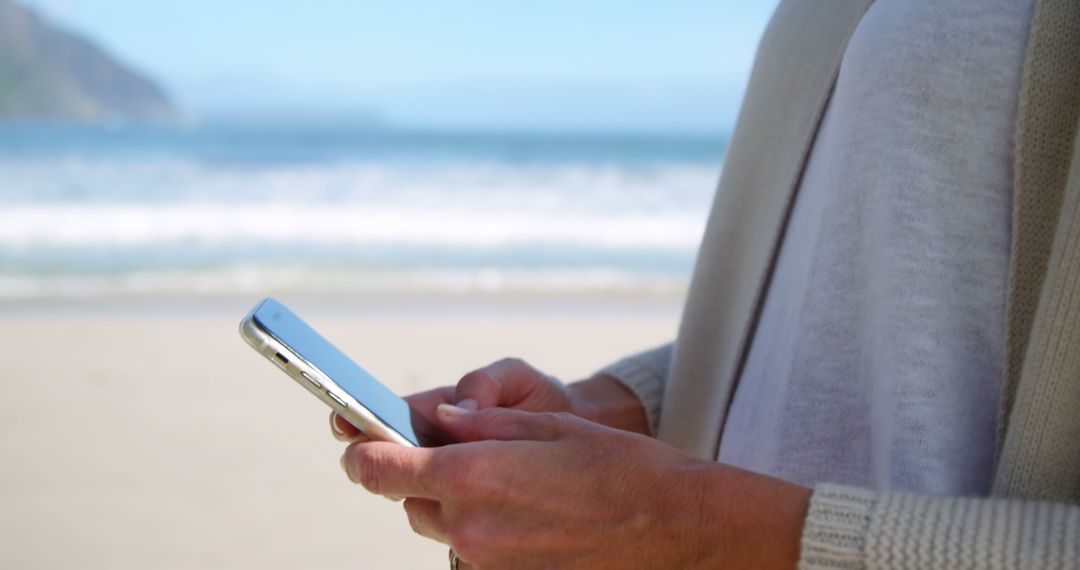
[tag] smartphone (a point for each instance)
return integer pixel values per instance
(294, 347)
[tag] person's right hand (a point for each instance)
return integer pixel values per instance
(508, 383)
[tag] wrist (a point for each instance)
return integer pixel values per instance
(604, 400)
(756, 520)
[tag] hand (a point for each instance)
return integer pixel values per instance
(512, 383)
(555, 491)
(508, 383)
(423, 402)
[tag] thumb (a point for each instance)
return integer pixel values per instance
(505, 383)
(479, 389)
(501, 424)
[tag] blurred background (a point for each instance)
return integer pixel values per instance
(432, 184)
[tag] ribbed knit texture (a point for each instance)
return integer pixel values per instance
(835, 532)
(644, 374)
(1049, 105)
(1041, 456)
(852, 529)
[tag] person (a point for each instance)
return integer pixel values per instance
(877, 364)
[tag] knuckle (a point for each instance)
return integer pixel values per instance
(555, 424)
(477, 379)
(414, 512)
(497, 422)
(468, 543)
(469, 377)
(513, 362)
(488, 418)
(472, 479)
(443, 468)
(367, 469)
(551, 420)
(457, 481)
(563, 417)
(467, 480)
(414, 522)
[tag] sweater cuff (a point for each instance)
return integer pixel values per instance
(645, 375)
(834, 537)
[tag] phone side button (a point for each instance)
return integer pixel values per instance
(337, 399)
(310, 379)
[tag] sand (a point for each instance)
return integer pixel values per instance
(146, 434)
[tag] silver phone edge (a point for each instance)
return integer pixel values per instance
(356, 413)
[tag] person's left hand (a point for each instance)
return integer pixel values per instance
(507, 383)
(554, 491)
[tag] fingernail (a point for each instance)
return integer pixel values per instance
(469, 404)
(450, 411)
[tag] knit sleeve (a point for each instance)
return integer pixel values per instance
(854, 529)
(645, 374)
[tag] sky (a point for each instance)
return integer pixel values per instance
(584, 65)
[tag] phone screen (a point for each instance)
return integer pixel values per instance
(393, 411)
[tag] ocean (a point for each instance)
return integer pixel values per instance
(234, 208)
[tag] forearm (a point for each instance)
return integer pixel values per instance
(748, 520)
(605, 400)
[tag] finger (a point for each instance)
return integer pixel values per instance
(345, 431)
(425, 518)
(426, 402)
(479, 389)
(391, 469)
(502, 424)
(503, 383)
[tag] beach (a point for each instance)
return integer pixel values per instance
(144, 433)
(140, 431)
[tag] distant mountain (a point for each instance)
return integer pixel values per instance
(49, 73)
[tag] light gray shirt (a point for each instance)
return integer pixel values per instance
(878, 357)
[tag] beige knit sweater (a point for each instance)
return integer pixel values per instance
(1032, 519)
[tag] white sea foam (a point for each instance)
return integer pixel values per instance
(78, 226)
(260, 281)
(73, 202)
(588, 186)
(100, 225)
